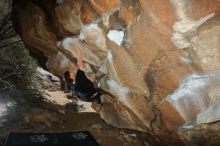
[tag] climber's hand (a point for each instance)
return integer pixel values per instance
(78, 45)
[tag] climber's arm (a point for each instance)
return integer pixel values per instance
(80, 63)
(79, 56)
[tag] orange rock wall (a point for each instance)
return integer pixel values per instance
(159, 59)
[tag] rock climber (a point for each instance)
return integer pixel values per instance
(69, 82)
(83, 87)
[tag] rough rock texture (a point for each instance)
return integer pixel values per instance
(159, 59)
(47, 80)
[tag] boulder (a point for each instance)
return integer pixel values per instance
(47, 80)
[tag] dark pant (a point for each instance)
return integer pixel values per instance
(96, 98)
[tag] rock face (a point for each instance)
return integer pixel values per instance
(47, 80)
(160, 59)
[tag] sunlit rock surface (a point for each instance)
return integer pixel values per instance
(47, 80)
(159, 60)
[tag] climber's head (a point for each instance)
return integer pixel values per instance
(66, 75)
(69, 76)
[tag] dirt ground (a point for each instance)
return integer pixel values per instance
(61, 114)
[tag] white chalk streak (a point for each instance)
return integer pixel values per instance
(185, 60)
(120, 91)
(212, 114)
(185, 24)
(190, 91)
(116, 36)
(67, 43)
